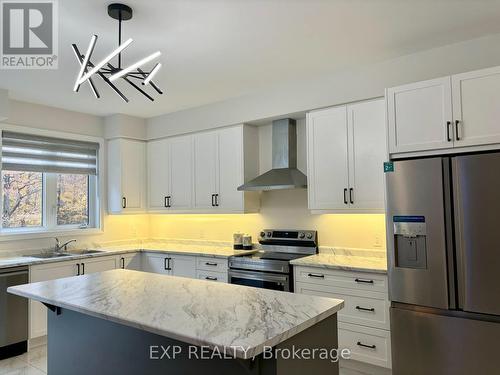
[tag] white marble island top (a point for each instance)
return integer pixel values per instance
(196, 312)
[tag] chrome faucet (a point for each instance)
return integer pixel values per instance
(59, 247)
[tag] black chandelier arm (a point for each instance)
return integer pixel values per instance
(105, 79)
(139, 89)
(91, 82)
(153, 85)
(132, 84)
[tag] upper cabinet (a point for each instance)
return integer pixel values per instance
(126, 176)
(476, 107)
(346, 148)
(445, 114)
(420, 116)
(201, 172)
(170, 169)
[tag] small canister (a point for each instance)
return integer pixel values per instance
(238, 241)
(247, 242)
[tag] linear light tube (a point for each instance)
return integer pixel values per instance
(152, 74)
(85, 61)
(145, 60)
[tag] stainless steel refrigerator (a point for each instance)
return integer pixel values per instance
(443, 224)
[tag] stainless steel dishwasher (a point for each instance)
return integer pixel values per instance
(13, 313)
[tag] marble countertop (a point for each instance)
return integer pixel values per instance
(344, 262)
(197, 312)
(215, 251)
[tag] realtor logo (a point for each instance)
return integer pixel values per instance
(29, 34)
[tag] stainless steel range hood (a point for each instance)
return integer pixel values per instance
(284, 174)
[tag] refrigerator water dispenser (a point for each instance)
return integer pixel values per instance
(410, 241)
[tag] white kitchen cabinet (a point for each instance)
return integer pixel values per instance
(130, 261)
(327, 159)
(126, 176)
(476, 109)
(420, 116)
(181, 173)
(201, 172)
(169, 264)
(158, 174)
(367, 153)
(346, 148)
(206, 156)
(220, 166)
(45, 272)
(182, 265)
(170, 174)
(363, 323)
(57, 270)
(98, 264)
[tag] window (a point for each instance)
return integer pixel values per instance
(48, 184)
(22, 199)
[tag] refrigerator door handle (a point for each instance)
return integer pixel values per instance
(459, 245)
(450, 247)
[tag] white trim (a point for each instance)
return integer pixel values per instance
(50, 229)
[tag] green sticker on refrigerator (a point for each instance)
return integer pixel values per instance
(388, 166)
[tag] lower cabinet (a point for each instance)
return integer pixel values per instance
(364, 325)
(57, 270)
(199, 267)
(130, 261)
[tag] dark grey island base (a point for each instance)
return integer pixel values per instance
(83, 344)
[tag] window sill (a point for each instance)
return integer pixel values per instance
(33, 234)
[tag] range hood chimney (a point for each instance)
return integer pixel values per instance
(284, 174)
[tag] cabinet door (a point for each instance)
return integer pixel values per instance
(155, 263)
(231, 169)
(476, 109)
(158, 173)
(131, 261)
(182, 265)
(367, 152)
(420, 116)
(205, 169)
(45, 272)
(181, 172)
(133, 155)
(99, 264)
(327, 162)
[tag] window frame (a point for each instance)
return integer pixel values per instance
(49, 226)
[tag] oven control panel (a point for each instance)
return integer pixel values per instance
(289, 235)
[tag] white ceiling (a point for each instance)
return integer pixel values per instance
(214, 50)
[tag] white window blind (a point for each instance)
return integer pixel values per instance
(33, 153)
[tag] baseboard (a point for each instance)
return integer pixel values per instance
(37, 341)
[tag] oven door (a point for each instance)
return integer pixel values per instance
(266, 280)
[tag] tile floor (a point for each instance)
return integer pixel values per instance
(32, 363)
(35, 363)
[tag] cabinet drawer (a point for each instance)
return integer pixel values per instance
(220, 277)
(211, 264)
(342, 279)
(368, 345)
(360, 307)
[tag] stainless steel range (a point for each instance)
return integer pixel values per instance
(270, 267)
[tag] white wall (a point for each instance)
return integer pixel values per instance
(4, 104)
(342, 87)
(51, 118)
(38, 116)
(124, 126)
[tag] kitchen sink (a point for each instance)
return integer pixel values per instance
(83, 252)
(48, 255)
(65, 254)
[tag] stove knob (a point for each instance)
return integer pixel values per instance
(262, 234)
(269, 234)
(309, 236)
(301, 235)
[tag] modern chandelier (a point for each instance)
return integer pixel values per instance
(110, 73)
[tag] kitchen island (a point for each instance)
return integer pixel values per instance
(131, 322)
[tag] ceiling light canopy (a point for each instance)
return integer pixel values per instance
(111, 73)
